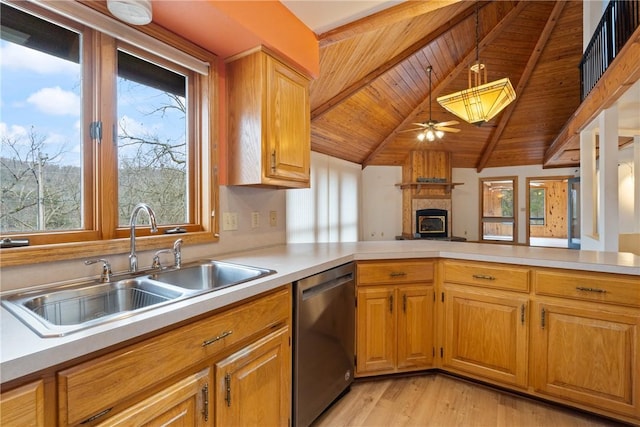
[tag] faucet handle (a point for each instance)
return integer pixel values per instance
(177, 253)
(105, 276)
(156, 258)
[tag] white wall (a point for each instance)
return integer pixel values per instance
(381, 217)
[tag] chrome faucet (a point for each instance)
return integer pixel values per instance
(177, 253)
(133, 258)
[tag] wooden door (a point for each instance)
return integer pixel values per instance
(415, 326)
(183, 404)
(587, 355)
(288, 129)
(486, 334)
(23, 406)
(375, 329)
(253, 385)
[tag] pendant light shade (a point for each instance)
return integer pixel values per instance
(483, 100)
(479, 103)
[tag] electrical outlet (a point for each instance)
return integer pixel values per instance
(255, 219)
(229, 221)
(273, 218)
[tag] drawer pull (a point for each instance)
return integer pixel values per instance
(600, 291)
(218, 338)
(397, 274)
(483, 277)
(96, 416)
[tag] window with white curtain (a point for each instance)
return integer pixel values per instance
(329, 210)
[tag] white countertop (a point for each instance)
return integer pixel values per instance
(22, 351)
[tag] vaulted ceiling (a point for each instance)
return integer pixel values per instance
(373, 83)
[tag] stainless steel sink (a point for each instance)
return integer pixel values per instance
(62, 310)
(210, 275)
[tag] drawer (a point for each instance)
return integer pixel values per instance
(391, 272)
(98, 385)
(488, 275)
(600, 287)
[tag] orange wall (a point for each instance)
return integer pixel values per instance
(227, 28)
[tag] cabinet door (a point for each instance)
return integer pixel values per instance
(415, 326)
(23, 406)
(375, 329)
(185, 403)
(487, 334)
(253, 385)
(587, 355)
(288, 123)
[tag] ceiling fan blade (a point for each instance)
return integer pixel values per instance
(424, 125)
(410, 130)
(446, 129)
(449, 123)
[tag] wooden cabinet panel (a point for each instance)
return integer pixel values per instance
(488, 275)
(376, 336)
(394, 272)
(587, 355)
(415, 327)
(486, 334)
(269, 122)
(185, 403)
(598, 287)
(23, 406)
(253, 386)
(119, 376)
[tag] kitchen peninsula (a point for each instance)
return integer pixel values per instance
(543, 287)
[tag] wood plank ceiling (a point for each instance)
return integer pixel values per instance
(373, 82)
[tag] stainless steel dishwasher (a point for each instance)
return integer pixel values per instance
(324, 324)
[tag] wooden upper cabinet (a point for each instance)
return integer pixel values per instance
(269, 122)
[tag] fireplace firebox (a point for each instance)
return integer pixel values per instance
(432, 223)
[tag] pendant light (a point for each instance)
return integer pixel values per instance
(483, 101)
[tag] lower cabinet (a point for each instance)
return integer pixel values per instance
(253, 385)
(185, 403)
(23, 406)
(486, 334)
(395, 329)
(588, 355)
(232, 368)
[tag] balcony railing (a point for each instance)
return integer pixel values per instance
(618, 23)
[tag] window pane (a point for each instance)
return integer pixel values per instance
(41, 151)
(152, 136)
(536, 206)
(497, 231)
(497, 199)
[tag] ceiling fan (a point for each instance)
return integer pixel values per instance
(432, 129)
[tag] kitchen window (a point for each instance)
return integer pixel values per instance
(98, 117)
(498, 208)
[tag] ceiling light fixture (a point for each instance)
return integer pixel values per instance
(135, 12)
(430, 133)
(482, 102)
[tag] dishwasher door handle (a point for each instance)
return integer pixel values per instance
(326, 286)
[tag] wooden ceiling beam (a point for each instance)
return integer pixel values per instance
(402, 56)
(463, 65)
(522, 84)
(401, 12)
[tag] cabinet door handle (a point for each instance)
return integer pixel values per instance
(598, 290)
(273, 161)
(397, 274)
(542, 315)
(522, 310)
(218, 338)
(205, 401)
(483, 277)
(227, 384)
(391, 303)
(404, 303)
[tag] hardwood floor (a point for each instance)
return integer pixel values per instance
(443, 401)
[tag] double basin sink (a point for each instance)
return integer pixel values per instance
(60, 310)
